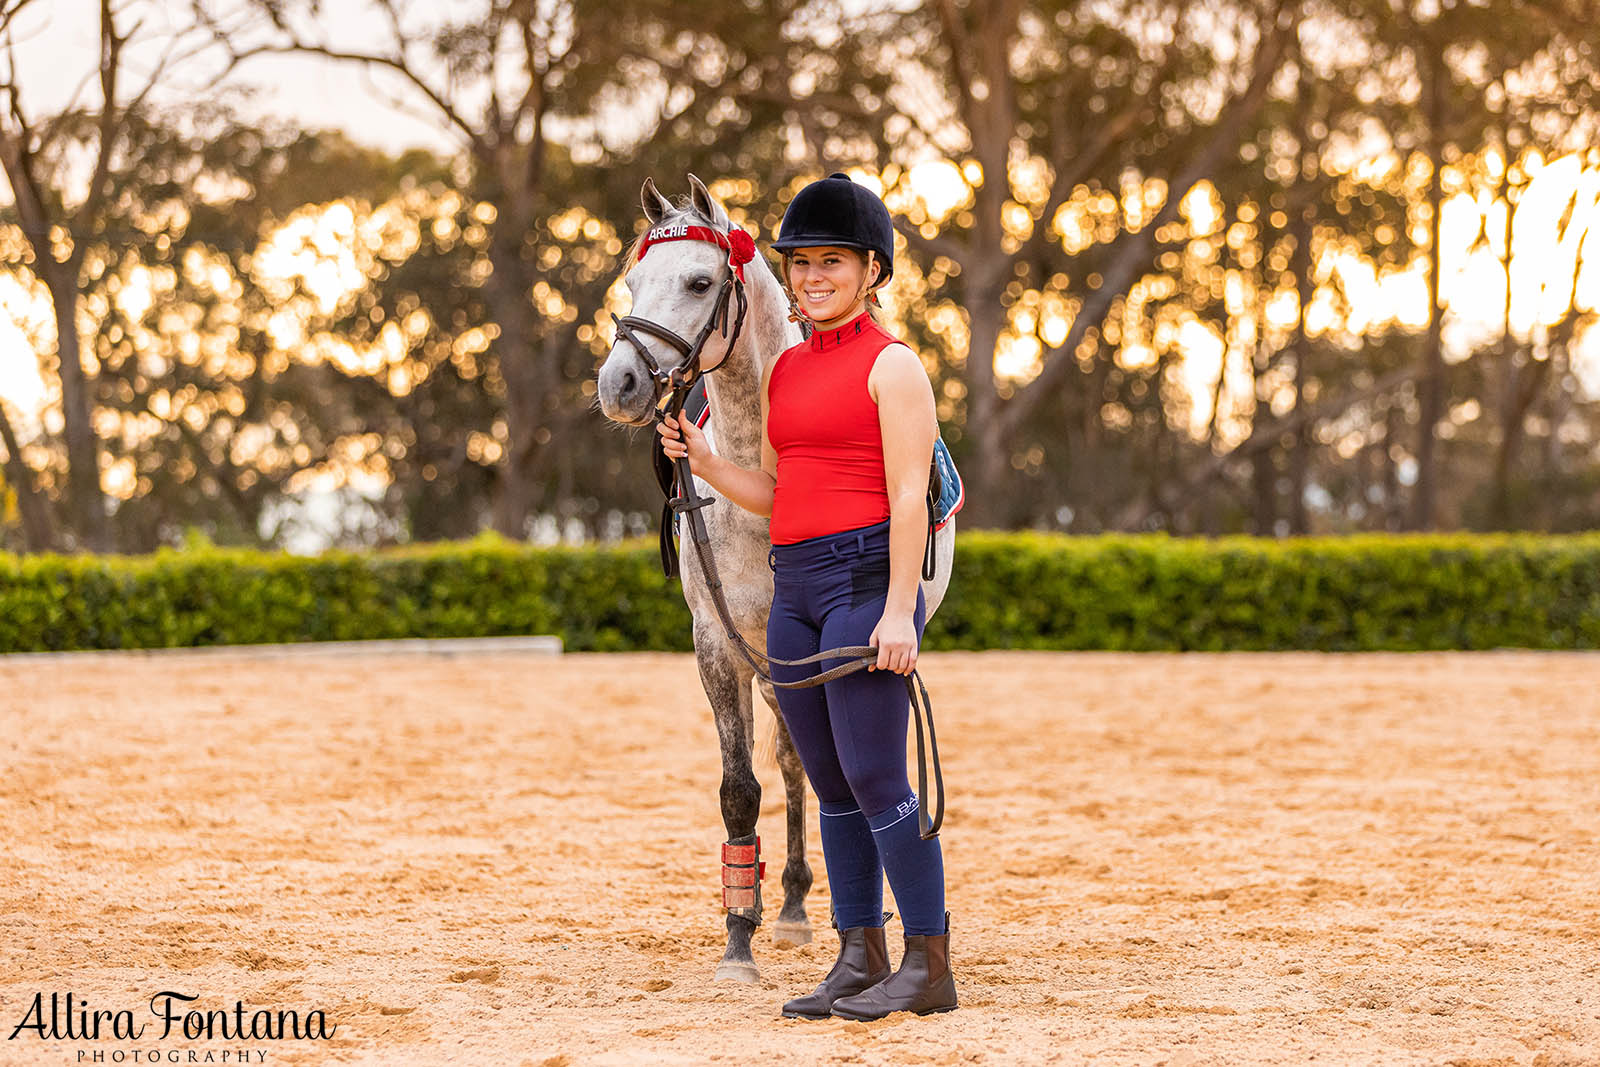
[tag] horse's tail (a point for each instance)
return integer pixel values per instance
(766, 754)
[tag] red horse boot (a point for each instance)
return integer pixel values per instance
(923, 984)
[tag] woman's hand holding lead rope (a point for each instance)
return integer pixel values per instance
(895, 638)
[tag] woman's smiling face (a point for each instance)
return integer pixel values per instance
(827, 281)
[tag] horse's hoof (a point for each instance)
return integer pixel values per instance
(791, 933)
(731, 971)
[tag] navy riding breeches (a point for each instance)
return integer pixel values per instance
(829, 592)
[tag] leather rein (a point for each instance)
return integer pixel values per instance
(729, 314)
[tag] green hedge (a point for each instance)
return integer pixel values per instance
(607, 600)
(1360, 593)
(1022, 590)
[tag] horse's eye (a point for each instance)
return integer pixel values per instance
(700, 284)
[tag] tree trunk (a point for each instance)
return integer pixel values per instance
(1300, 455)
(1430, 385)
(1264, 493)
(991, 114)
(1165, 454)
(990, 447)
(1263, 467)
(1513, 411)
(37, 529)
(1521, 387)
(1369, 476)
(1512, 431)
(1095, 471)
(85, 499)
(1301, 266)
(507, 295)
(86, 510)
(1392, 512)
(1558, 404)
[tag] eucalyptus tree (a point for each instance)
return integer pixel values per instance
(1290, 202)
(1447, 81)
(136, 226)
(1053, 109)
(67, 169)
(228, 382)
(1543, 101)
(552, 104)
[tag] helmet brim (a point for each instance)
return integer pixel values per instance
(789, 244)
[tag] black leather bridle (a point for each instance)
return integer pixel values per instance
(679, 381)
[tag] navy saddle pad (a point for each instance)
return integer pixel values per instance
(952, 494)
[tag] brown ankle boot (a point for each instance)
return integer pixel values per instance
(923, 984)
(863, 962)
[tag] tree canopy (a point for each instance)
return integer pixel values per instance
(1280, 266)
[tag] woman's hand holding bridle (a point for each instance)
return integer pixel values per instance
(684, 439)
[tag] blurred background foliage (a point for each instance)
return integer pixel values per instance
(1269, 266)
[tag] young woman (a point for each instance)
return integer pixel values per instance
(849, 425)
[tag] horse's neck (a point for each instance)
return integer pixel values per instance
(734, 391)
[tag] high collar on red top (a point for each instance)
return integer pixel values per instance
(839, 336)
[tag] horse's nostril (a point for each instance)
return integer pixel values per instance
(628, 382)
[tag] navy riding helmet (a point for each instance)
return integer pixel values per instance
(837, 211)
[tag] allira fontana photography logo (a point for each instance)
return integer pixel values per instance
(171, 1015)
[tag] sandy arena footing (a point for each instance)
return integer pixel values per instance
(512, 859)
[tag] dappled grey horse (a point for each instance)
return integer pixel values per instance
(676, 288)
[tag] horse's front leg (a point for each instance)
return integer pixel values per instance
(793, 925)
(727, 685)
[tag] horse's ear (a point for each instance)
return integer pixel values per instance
(706, 204)
(655, 205)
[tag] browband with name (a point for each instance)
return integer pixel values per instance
(740, 245)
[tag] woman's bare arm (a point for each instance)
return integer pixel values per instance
(909, 423)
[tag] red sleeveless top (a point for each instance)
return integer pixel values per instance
(823, 424)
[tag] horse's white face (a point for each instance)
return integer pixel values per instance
(676, 286)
